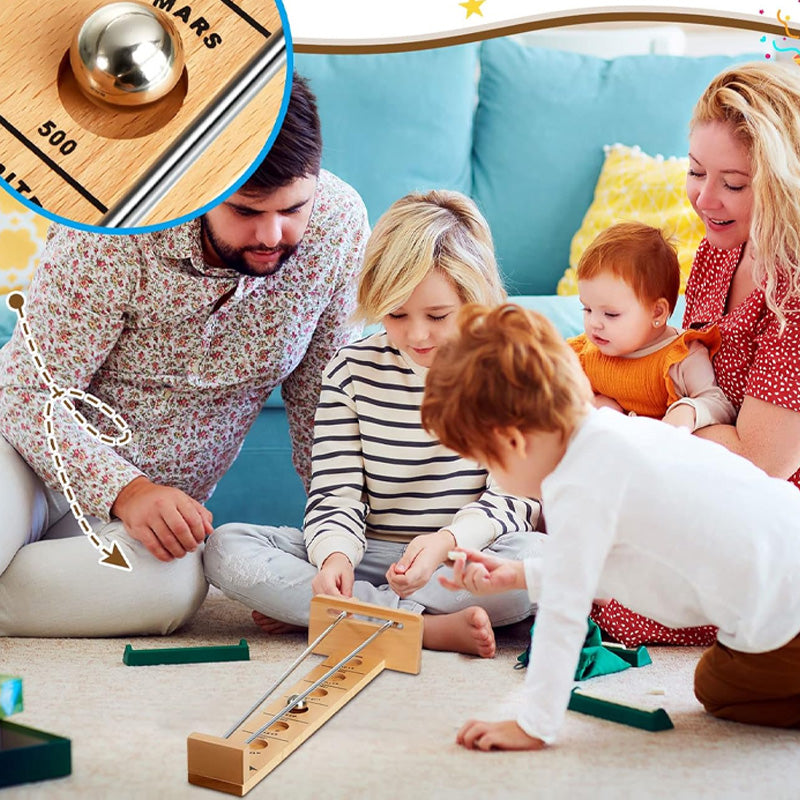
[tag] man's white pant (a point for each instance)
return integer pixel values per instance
(267, 569)
(51, 581)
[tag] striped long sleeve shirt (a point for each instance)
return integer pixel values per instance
(378, 474)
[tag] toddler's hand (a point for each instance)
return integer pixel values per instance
(681, 416)
(477, 735)
(481, 573)
(601, 401)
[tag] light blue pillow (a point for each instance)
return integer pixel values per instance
(542, 120)
(396, 122)
(564, 312)
(8, 319)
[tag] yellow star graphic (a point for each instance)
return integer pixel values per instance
(473, 7)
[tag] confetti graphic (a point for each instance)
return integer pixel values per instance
(787, 50)
(58, 394)
(775, 46)
(784, 21)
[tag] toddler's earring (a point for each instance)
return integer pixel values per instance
(656, 323)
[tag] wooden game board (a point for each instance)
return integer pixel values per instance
(233, 764)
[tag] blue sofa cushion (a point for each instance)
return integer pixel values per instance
(542, 119)
(8, 319)
(396, 122)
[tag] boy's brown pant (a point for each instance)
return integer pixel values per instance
(756, 688)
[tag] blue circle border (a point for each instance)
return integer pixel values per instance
(211, 204)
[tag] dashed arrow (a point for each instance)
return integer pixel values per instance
(114, 557)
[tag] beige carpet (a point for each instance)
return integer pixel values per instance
(129, 725)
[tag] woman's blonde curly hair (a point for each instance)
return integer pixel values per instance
(761, 103)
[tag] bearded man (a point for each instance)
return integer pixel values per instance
(183, 332)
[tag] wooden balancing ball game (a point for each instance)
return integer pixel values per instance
(360, 641)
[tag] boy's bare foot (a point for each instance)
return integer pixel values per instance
(273, 626)
(466, 631)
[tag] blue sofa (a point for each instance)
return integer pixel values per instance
(519, 129)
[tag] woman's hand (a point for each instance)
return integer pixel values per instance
(766, 434)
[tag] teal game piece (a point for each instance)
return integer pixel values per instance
(186, 655)
(598, 657)
(10, 695)
(657, 720)
(635, 656)
(30, 755)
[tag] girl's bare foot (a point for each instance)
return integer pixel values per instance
(272, 626)
(466, 631)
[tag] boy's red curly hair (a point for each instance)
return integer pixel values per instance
(506, 367)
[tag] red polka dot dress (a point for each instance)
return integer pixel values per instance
(754, 359)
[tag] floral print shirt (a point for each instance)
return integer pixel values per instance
(133, 320)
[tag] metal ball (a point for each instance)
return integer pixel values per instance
(127, 54)
(298, 707)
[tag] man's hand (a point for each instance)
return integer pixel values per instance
(164, 519)
(477, 735)
(422, 556)
(481, 573)
(335, 576)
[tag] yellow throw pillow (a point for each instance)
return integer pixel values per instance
(22, 234)
(634, 186)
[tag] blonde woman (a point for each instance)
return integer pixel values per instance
(388, 501)
(744, 183)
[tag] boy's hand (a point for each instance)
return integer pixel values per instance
(507, 735)
(422, 556)
(164, 519)
(481, 573)
(335, 577)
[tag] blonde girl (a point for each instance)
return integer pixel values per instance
(388, 501)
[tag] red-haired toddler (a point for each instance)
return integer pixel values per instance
(628, 281)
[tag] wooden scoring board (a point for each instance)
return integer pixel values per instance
(104, 164)
(231, 766)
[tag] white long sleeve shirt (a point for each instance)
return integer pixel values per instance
(377, 473)
(672, 526)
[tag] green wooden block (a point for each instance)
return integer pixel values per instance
(30, 755)
(186, 655)
(636, 656)
(10, 695)
(657, 720)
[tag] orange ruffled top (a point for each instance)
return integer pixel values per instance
(640, 384)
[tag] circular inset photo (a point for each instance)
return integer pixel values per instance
(137, 114)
